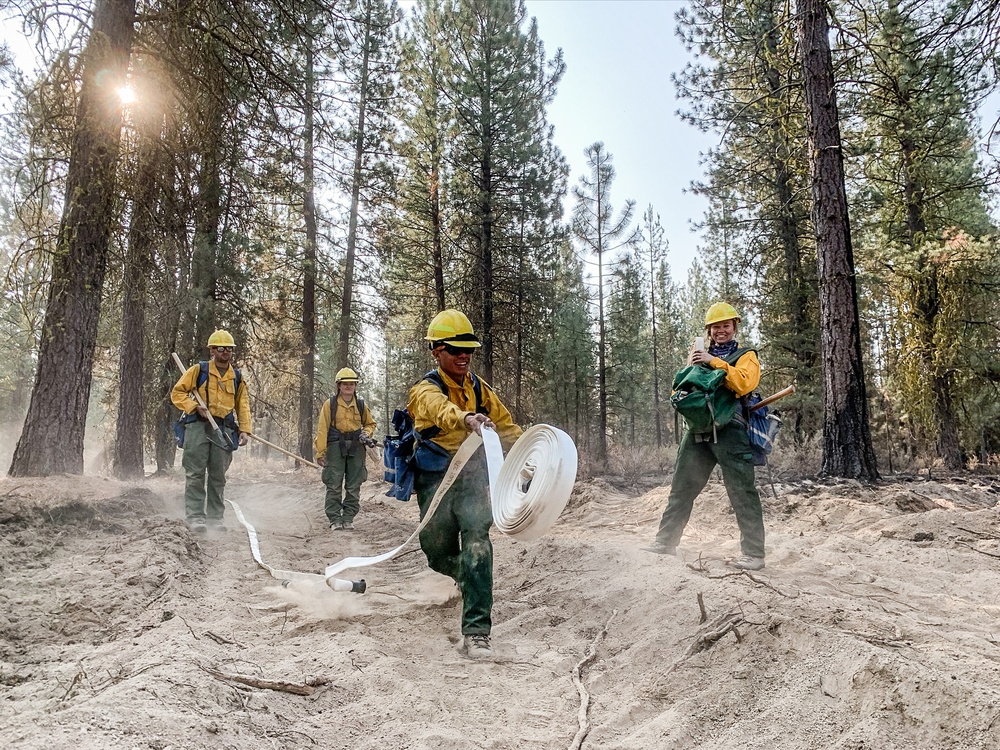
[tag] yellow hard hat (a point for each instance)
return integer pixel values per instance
(221, 337)
(452, 327)
(719, 312)
(347, 375)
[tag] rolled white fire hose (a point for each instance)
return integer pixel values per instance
(528, 491)
(534, 482)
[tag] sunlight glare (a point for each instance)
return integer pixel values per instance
(127, 95)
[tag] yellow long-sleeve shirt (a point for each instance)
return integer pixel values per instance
(219, 391)
(429, 406)
(742, 377)
(348, 420)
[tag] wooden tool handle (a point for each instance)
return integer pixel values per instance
(287, 453)
(774, 397)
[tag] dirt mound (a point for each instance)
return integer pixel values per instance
(873, 625)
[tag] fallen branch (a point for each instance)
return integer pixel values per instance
(581, 716)
(710, 635)
(701, 607)
(306, 688)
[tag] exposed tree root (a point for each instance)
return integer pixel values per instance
(582, 718)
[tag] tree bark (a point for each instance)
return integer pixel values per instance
(847, 444)
(486, 227)
(344, 350)
(307, 384)
(602, 336)
(128, 456)
(52, 439)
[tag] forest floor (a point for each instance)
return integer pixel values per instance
(876, 624)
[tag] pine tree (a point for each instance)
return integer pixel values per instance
(847, 444)
(498, 82)
(567, 392)
(370, 73)
(652, 245)
(923, 192)
(600, 234)
(629, 350)
(52, 438)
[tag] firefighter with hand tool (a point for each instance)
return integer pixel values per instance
(224, 396)
(345, 428)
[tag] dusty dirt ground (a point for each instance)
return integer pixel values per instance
(874, 626)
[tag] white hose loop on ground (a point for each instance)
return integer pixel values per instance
(528, 490)
(535, 483)
(284, 575)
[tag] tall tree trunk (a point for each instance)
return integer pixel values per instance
(52, 439)
(205, 249)
(205, 269)
(486, 234)
(652, 307)
(437, 223)
(307, 383)
(602, 374)
(927, 305)
(128, 458)
(847, 444)
(344, 350)
(796, 294)
(176, 259)
(519, 327)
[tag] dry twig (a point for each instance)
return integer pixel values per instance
(701, 606)
(219, 639)
(306, 688)
(709, 635)
(698, 565)
(581, 716)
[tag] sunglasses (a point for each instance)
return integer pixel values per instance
(224, 348)
(456, 350)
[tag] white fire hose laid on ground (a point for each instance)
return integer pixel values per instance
(528, 491)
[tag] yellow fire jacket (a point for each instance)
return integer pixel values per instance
(429, 406)
(217, 391)
(348, 420)
(742, 377)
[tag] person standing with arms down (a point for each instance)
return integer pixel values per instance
(345, 428)
(446, 405)
(205, 462)
(699, 453)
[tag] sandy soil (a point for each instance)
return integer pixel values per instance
(875, 625)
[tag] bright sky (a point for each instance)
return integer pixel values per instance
(619, 55)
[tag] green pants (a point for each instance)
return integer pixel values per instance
(343, 476)
(695, 462)
(457, 539)
(205, 465)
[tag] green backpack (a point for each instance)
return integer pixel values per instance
(699, 396)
